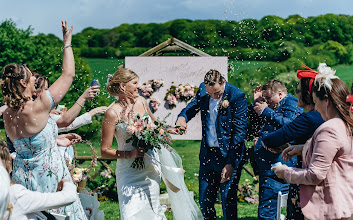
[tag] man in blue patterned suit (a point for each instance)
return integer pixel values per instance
(223, 114)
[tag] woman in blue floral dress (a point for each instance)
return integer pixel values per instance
(38, 165)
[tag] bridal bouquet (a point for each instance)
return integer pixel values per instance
(148, 135)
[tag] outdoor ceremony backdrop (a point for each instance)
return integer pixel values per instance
(176, 71)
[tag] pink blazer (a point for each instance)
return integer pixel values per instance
(326, 180)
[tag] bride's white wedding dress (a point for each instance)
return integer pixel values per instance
(138, 190)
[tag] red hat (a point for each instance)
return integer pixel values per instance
(307, 73)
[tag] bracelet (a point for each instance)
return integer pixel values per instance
(79, 104)
(64, 47)
(118, 154)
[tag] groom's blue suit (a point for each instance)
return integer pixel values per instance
(230, 125)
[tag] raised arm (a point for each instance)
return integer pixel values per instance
(286, 116)
(63, 83)
(84, 119)
(69, 116)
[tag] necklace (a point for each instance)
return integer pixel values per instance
(127, 113)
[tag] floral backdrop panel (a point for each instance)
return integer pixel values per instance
(168, 84)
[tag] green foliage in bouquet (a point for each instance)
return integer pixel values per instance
(148, 135)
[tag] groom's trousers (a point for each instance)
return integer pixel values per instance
(209, 183)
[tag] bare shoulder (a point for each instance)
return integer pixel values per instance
(8, 114)
(44, 100)
(113, 111)
(143, 99)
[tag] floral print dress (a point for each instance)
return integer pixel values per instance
(39, 165)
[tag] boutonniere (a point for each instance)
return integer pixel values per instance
(224, 103)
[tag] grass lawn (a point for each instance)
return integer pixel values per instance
(189, 151)
(345, 72)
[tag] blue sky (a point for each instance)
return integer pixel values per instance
(45, 15)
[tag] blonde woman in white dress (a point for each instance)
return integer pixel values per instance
(138, 190)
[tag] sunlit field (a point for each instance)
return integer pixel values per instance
(188, 150)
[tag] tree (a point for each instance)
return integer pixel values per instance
(338, 49)
(271, 28)
(43, 55)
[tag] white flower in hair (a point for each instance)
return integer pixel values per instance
(325, 76)
(110, 76)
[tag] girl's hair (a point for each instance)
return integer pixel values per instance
(122, 75)
(11, 88)
(337, 96)
(306, 94)
(212, 77)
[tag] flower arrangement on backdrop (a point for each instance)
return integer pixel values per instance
(155, 103)
(180, 93)
(171, 100)
(174, 93)
(148, 88)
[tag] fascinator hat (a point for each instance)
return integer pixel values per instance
(307, 73)
(325, 76)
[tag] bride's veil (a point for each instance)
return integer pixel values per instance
(183, 205)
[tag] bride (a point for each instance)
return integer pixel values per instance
(138, 190)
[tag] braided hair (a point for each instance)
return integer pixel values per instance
(11, 88)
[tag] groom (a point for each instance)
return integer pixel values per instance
(223, 115)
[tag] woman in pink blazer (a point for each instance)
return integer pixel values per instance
(326, 179)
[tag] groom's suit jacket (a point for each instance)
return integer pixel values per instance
(231, 122)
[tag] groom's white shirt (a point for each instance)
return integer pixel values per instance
(211, 132)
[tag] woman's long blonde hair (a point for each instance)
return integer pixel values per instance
(122, 75)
